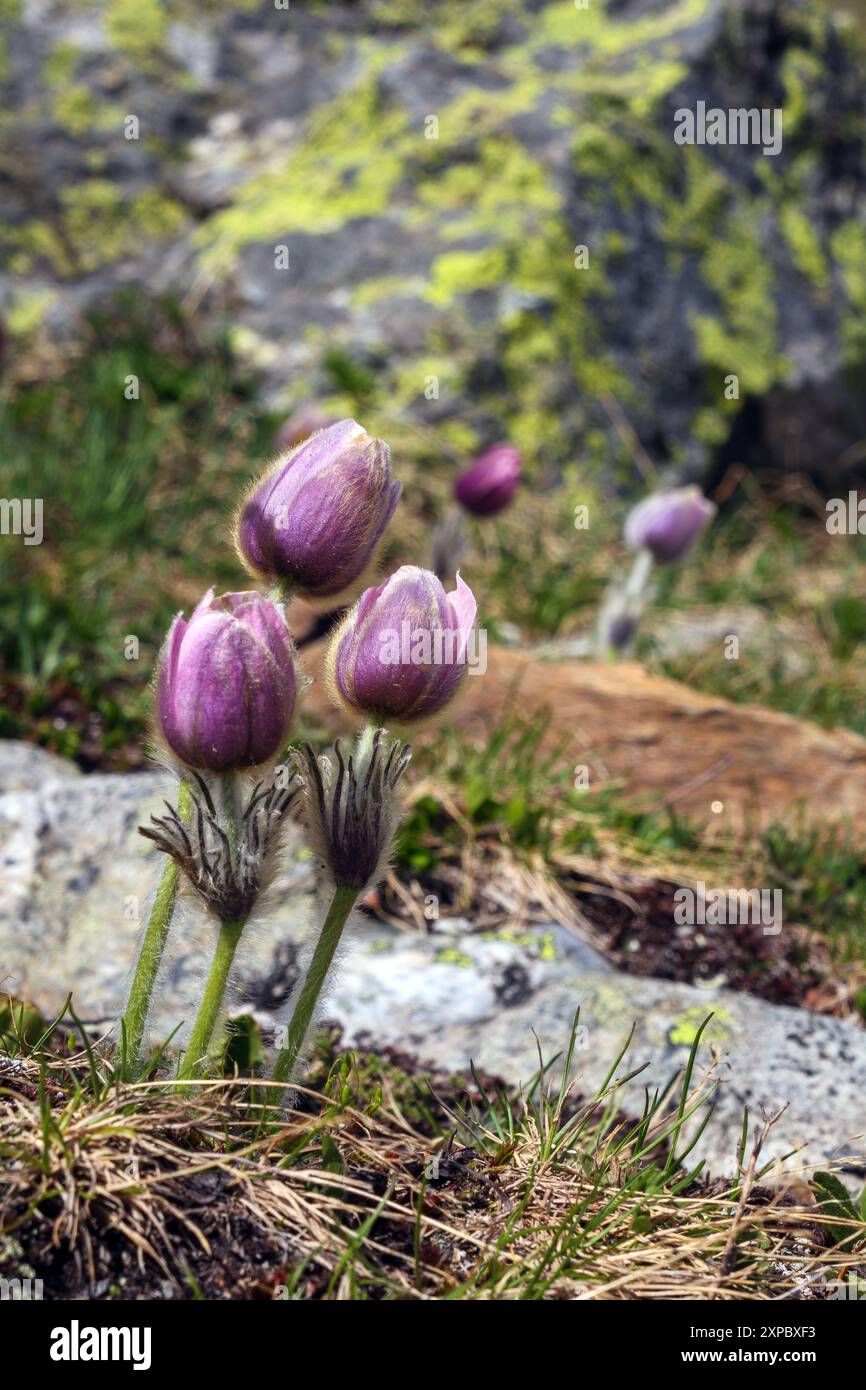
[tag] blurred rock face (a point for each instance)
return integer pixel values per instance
(502, 179)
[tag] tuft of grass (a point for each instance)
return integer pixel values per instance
(479, 1193)
(820, 870)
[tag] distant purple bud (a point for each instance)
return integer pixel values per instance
(226, 684)
(621, 631)
(314, 520)
(489, 485)
(302, 422)
(401, 653)
(667, 524)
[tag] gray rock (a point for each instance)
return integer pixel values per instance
(697, 630)
(475, 1002)
(75, 885)
(25, 767)
(674, 633)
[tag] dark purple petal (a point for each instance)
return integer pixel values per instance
(489, 485)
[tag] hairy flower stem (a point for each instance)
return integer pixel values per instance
(150, 955)
(364, 744)
(628, 601)
(639, 575)
(229, 791)
(280, 592)
(341, 905)
(211, 1001)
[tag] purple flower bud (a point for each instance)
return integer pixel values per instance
(667, 524)
(621, 631)
(314, 520)
(401, 652)
(302, 422)
(226, 684)
(489, 485)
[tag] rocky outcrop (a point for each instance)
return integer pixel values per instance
(74, 884)
(378, 194)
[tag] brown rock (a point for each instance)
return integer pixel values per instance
(666, 744)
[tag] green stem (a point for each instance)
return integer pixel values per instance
(364, 745)
(229, 790)
(633, 596)
(211, 1000)
(341, 905)
(151, 952)
(280, 592)
(639, 575)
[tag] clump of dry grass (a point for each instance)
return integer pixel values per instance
(380, 1185)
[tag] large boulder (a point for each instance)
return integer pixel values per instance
(375, 186)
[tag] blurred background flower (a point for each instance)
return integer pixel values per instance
(489, 485)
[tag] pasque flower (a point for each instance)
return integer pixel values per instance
(489, 485)
(350, 813)
(226, 683)
(313, 522)
(667, 524)
(228, 864)
(350, 810)
(401, 651)
(225, 693)
(224, 699)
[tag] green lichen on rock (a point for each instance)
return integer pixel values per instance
(452, 955)
(743, 338)
(27, 310)
(95, 227)
(75, 109)
(801, 69)
(464, 272)
(497, 191)
(460, 27)
(443, 188)
(541, 945)
(61, 64)
(136, 27)
(565, 24)
(685, 1028)
(848, 245)
(101, 227)
(373, 292)
(347, 168)
(804, 244)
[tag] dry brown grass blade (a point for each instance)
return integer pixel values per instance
(149, 1187)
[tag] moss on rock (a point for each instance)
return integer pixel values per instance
(446, 170)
